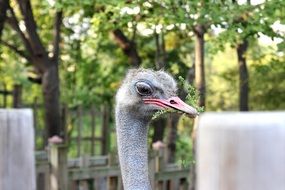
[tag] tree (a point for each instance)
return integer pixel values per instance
(243, 75)
(241, 50)
(37, 54)
(243, 26)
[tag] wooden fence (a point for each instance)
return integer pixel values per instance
(94, 120)
(100, 172)
(15, 94)
(87, 128)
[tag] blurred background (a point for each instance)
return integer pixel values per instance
(66, 59)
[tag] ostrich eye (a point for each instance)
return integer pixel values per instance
(143, 88)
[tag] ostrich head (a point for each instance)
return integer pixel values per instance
(144, 92)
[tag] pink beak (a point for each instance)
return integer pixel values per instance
(174, 103)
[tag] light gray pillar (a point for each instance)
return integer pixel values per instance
(17, 163)
(241, 151)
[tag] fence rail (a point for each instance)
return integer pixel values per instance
(102, 172)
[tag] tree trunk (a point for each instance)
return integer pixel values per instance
(243, 76)
(3, 9)
(172, 137)
(160, 59)
(50, 87)
(159, 128)
(199, 68)
(128, 46)
(199, 64)
(192, 173)
(160, 54)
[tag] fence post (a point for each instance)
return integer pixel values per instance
(5, 92)
(59, 170)
(156, 164)
(93, 129)
(79, 129)
(111, 182)
(241, 151)
(151, 167)
(105, 129)
(17, 96)
(17, 161)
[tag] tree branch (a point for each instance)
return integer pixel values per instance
(3, 9)
(157, 52)
(31, 26)
(134, 26)
(56, 35)
(16, 50)
(128, 47)
(14, 23)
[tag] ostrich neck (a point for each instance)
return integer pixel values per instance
(132, 148)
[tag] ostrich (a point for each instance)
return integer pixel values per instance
(142, 93)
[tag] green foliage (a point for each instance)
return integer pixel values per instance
(191, 98)
(92, 64)
(266, 82)
(162, 112)
(249, 22)
(268, 85)
(184, 153)
(192, 94)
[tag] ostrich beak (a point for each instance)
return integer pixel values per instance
(173, 103)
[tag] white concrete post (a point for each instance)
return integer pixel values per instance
(241, 151)
(17, 159)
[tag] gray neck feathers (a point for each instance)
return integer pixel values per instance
(132, 148)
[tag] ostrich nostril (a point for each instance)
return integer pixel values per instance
(173, 102)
